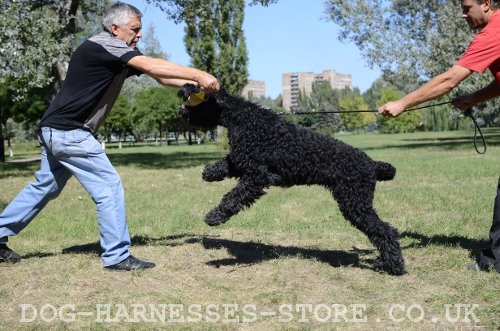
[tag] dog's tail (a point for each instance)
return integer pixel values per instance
(384, 171)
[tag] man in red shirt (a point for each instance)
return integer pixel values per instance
(483, 53)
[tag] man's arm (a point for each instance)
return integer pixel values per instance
(470, 100)
(436, 87)
(175, 82)
(171, 74)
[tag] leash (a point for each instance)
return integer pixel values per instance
(477, 129)
(467, 113)
(360, 110)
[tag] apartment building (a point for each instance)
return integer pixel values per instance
(254, 88)
(303, 81)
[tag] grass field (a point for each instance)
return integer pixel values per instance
(290, 262)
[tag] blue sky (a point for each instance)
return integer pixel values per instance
(290, 36)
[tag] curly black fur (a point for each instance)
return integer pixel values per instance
(266, 150)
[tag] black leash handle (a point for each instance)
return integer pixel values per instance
(477, 129)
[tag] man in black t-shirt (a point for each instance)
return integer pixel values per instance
(96, 73)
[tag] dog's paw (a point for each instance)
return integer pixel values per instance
(215, 217)
(275, 179)
(212, 176)
(394, 267)
(215, 172)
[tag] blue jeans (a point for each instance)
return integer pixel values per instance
(78, 153)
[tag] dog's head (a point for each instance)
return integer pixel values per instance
(199, 108)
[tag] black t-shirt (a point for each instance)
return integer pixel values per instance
(95, 77)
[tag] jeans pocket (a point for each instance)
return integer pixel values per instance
(88, 143)
(80, 143)
(79, 136)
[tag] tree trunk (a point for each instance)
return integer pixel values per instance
(9, 146)
(67, 8)
(2, 146)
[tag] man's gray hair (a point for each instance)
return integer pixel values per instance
(119, 13)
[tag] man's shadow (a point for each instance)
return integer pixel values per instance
(471, 245)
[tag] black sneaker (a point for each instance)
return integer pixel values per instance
(473, 267)
(8, 255)
(130, 263)
(480, 267)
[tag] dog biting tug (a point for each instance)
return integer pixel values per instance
(266, 150)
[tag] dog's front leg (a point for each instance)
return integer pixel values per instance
(244, 194)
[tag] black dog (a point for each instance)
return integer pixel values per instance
(267, 150)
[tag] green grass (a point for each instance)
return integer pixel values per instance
(290, 249)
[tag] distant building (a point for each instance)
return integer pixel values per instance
(303, 81)
(255, 89)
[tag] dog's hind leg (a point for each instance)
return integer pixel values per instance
(244, 194)
(355, 203)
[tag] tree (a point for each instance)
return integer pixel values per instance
(214, 36)
(215, 41)
(151, 47)
(157, 108)
(177, 9)
(118, 121)
(410, 41)
(267, 102)
(409, 29)
(321, 99)
(372, 95)
(406, 122)
(33, 40)
(22, 110)
(37, 40)
(355, 121)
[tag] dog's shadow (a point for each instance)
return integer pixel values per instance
(249, 253)
(242, 252)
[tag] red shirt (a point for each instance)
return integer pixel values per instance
(483, 51)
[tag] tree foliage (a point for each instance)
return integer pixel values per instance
(36, 40)
(216, 43)
(150, 46)
(214, 37)
(177, 10)
(409, 121)
(119, 121)
(401, 36)
(356, 120)
(321, 99)
(158, 108)
(410, 41)
(31, 42)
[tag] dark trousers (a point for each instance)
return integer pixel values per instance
(490, 256)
